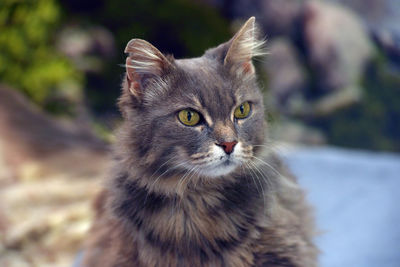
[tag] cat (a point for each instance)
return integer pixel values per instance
(194, 183)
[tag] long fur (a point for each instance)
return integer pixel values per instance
(163, 206)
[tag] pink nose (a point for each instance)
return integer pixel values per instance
(228, 146)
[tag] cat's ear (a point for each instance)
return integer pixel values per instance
(243, 47)
(145, 62)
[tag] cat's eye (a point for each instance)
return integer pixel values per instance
(189, 117)
(242, 111)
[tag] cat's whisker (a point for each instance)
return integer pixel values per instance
(260, 181)
(178, 188)
(196, 172)
(182, 180)
(261, 193)
(174, 157)
(263, 174)
(198, 179)
(151, 187)
(289, 183)
(169, 169)
(268, 165)
(201, 161)
(246, 166)
(200, 155)
(187, 176)
(259, 184)
(282, 178)
(246, 157)
(275, 146)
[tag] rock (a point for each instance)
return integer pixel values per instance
(54, 171)
(285, 74)
(337, 44)
(378, 15)
(33, 142)
(280, 17)
(296, 133)
(86, 47)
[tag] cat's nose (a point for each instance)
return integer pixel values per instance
(227, 146)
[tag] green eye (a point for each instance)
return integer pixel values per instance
(242, 111)
(189, 117)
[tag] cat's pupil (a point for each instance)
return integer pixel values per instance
(241, 109)
(189, 116)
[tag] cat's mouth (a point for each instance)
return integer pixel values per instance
(220, 166)
(227, 162)
(216, 162)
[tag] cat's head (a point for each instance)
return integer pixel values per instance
(203, 115)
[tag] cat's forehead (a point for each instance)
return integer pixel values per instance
(206, 83)
(202, 75)
(200, 66)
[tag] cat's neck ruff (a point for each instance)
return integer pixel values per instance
(205, 221)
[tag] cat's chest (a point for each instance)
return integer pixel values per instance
(197, 255)
(198, 232)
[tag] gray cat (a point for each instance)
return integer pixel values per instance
(193, 183)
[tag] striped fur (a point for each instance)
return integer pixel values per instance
(172, 200)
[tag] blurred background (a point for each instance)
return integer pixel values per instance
(331, 85)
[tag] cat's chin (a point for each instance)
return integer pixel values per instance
(221, 169)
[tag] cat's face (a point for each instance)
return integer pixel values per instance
(201, 116)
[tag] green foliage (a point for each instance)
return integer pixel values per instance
(28, 59)
(375, 122)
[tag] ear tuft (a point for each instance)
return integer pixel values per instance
(244, 46)
(143, 63)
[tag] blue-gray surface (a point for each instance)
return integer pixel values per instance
(356, 196)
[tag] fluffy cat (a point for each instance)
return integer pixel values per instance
(193, 183)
